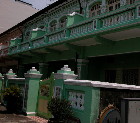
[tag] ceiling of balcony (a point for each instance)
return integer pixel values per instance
(122, 35)
(85, 42)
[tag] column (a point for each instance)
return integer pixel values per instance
(32, 78)
(7, 76)
(60, 76)
(43, 69)
(82, 68)
(21, 71)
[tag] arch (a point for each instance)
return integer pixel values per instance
(63, 21)
(95, 9)
(113, 5)
(130, 1)
(90, 4)
(53, 25)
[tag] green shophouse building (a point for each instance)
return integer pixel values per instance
(98, 39)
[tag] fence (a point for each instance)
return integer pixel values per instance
(92, 101)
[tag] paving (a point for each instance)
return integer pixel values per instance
(14, 118)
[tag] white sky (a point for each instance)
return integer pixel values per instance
(39, 4)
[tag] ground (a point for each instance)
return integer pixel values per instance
(13, 118)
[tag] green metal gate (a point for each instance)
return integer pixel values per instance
(45, 94)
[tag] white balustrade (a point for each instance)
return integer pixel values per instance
(39, 42)
(120, 18)
(25, 46)
(83, 28)
(57, 36)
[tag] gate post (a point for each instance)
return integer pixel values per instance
(32, 78)
(7, 76)
(60, 76)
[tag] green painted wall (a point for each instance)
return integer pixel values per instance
(33, 84)
(91, 103)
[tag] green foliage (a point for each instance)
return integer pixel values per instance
(60, 108)
(12, 97)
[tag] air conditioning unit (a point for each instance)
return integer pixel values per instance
(130, 110)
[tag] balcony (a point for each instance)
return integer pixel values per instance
(78, 26)
(37, 33)
(15, 41)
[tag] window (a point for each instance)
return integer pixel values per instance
(57, 92)
(130, 1)
(62, 22)
(130, 76)
(110, 76)
(113, 5)
(27, 35)
(53, 26)
(95, 10)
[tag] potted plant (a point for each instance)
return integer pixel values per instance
(61, 110)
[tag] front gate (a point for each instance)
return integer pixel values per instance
(45, 95)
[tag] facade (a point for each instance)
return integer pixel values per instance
(99, 40)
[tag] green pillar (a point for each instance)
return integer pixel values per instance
(32, 78)
(82, 68)
(21, 71)
(9, 75)
(60, 76)
(43, 69)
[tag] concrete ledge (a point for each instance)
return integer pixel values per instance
(32, 75)
(17, 79)
(99, 84)
(64, 76)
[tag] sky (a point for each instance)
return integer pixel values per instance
(39, 4)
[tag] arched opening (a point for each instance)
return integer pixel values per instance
(53, 25)
(130, 1)
(63, 22)
(95, 10)
(113, 5)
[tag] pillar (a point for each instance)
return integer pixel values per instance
(103, 6)
(60, 76)
(32, 78)
(82, 68)
(43, 69)
(21, 71)
(9, 75)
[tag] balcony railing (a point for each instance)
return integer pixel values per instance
(60, 35)
(38, 42)
(13, 49)
(24, 46)
(119, 18)
(83, 28)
